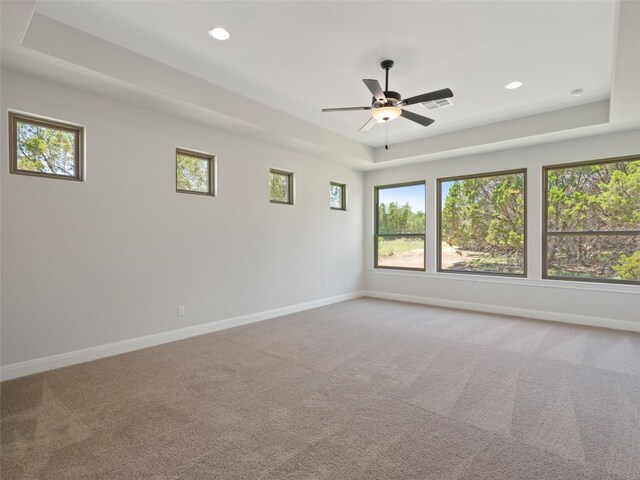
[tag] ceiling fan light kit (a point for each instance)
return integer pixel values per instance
(384, 114)
(387, 105)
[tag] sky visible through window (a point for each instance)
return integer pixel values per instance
(412, 194)
(445, 187)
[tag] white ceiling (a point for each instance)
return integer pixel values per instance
(299, 57)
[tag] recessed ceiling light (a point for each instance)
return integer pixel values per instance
(513, 85)
(577, 92)
(219, 33)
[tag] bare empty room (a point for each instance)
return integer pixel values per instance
(315, 240)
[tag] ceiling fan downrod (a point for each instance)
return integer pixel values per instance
(386, 65)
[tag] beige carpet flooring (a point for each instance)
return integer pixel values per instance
(366, 389)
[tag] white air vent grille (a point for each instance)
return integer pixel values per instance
(443, 102)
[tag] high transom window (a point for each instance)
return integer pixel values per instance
(45, 148)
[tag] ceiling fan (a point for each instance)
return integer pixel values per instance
(387, 105)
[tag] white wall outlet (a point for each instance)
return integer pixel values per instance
(476, 291)
(180, 310)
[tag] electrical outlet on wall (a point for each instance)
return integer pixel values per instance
(180, 310)
(476, 291)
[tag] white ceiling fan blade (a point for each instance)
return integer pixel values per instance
(367, 126)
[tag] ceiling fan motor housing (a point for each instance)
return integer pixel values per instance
(392, 97)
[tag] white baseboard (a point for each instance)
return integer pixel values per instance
(29, 367)
(42, 364)
(513, 311)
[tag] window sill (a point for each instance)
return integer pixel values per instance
(528, 282)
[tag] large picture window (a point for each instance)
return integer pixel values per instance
(482, 223)
(45, 148)
(400, 226)
(592, 221)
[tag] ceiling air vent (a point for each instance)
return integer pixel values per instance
(442, 102)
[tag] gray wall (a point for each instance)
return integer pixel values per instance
(109, 259)
(567, 301)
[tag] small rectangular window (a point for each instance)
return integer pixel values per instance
(194, 172)
(45, 148)
(400, 226)
(337, 196)
(280, 187)
(592, 221)
(482, 223)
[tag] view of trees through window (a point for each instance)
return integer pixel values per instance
(400, 226)
(193, 172)
(43, 148)
(280, 187)
(591, 210)
(482, 223)
(593, 221)
(337, 196)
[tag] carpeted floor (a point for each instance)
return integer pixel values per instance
(366, 389)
